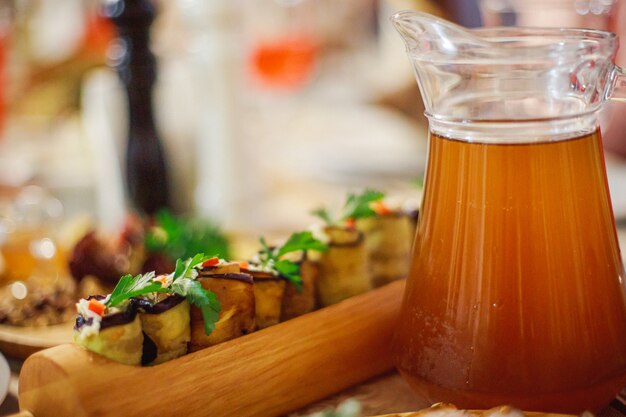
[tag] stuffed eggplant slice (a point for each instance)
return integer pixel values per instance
(278, 278)
(299, 301)
(343, 267)
(111, 332)
(236, 294)
(388, 244)
(269, 289)
(165, 323)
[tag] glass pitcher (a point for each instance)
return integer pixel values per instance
(516, 291)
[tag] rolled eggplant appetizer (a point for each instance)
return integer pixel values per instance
(388, 244)
(165, 323)
(269, 289)
(113, 332)
(236, 294)
(279, 281)
(344, 269)
(164, 304)
(297, 302)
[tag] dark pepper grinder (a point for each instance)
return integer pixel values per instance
(146, 176)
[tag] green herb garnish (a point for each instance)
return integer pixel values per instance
(181, 282)
(357, 206)
(129, 286)
(184, 284)
(181, 238)
(323, 214)
(270, 257)
(300, 241)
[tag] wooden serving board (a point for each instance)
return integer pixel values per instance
(267, 373)
(21, 342)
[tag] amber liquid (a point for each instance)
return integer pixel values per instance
(515, 293)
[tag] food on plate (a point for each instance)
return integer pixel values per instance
(278, 280)
(162, 302)
(236, 294)
(40, 300)
(36, 288)
(388, 237)
(94, 256)
(111, 331)
(344, 267)
(144, 245)
(107, 258)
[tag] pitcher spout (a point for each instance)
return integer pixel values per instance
(425, 33)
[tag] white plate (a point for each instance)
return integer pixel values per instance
(5, 378)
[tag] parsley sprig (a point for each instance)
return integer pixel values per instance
(272, 257)
(357, 206)
(181, 282)
(181, 238)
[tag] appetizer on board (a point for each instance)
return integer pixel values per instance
(344, 267)
(111, 331)
(207, 300)
(110, 325)
(269, 290)
(236, 294)
(278, 280)
(388, 236)
(165, 323)
(301, 300)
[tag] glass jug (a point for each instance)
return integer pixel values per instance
(516, 291)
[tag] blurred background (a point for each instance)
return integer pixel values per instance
(261, 109)
(246, 112)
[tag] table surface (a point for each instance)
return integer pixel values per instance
(385, 394)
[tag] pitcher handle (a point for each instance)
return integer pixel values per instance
(617, 89)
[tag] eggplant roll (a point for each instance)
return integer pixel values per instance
(221, 268)
(165, 324)
(343, 267)
(297, 303)
(268, 297)
(118, 337)
(235, 293)
(388, 245)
